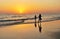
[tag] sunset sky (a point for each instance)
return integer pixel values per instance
(29, 6)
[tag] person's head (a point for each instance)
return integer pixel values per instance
(39, 14)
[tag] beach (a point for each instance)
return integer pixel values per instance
(29, 19)
(50, 30)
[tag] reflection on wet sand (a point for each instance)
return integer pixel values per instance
(39, 26)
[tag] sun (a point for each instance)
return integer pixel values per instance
(21, 9)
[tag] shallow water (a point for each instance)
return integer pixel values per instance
(17, 19)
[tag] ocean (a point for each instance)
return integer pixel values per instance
(22, 27)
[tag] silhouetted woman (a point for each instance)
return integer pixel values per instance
(39, 22)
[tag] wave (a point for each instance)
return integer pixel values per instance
(22, 21)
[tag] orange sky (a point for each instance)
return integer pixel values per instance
(29, 6)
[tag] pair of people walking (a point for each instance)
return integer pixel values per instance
(39, 22)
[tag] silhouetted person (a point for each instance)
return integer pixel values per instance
(39, 22)
(40, 17)
(35, 21)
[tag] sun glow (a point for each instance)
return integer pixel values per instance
(21, 10)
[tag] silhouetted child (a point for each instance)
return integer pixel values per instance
(35, 20)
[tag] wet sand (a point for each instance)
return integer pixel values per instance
(50, 30)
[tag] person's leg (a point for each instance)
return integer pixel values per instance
(38, 22)
(35, 23)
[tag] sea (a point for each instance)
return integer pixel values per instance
(23, 26)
